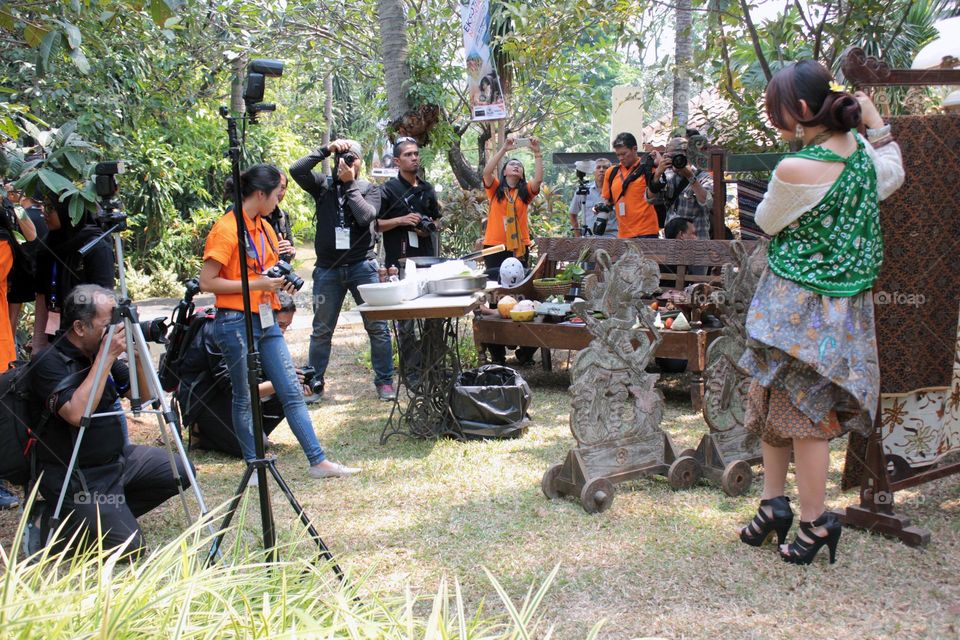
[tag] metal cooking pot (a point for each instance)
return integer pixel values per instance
(429, 261)
(459, 286)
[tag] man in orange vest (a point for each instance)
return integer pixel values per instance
(623, 191)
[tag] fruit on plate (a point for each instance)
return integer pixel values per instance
(668, 323)
(654, 305)
(505, 305)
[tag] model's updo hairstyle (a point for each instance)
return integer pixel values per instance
(259, 177)
(810, 81)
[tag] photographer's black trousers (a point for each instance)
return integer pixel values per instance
(213, 430)
(116, 493)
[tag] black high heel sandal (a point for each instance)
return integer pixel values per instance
(802, 552)
(762, 525)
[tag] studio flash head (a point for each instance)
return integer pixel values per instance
(105, 180)
(257, 72)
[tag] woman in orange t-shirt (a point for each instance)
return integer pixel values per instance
(260, 188)
(509, 196)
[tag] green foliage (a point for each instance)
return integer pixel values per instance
(173, 592)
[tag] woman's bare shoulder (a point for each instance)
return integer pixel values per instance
(803, 171)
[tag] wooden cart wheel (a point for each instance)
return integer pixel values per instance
(684, 472)
(737, 478)
(597, 495)
(549, 483)
(688, 453)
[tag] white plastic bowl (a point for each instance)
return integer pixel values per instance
(382, 294)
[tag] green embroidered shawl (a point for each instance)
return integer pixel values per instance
(836, 248)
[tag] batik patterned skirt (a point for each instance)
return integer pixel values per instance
(814, 363)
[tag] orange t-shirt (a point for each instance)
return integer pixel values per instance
(640, 217)
(496, 233)
(222, 247)
(8, 348)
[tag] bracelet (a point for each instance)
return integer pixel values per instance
(881, 142)
(878, 133)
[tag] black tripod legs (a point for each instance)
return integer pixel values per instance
(261, 466)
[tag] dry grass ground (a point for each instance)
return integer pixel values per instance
(658, 563)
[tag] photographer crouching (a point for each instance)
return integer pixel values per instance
(260, 191)
(205, 393)
(114, 483)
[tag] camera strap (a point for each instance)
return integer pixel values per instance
(625, 182)
(260, 257)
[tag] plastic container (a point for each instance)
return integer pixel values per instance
(382, 294)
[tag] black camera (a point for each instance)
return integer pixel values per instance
(583, 189)
(310, 380)
(678, 160)
(348, 158)
(154, 330)
(427, 224)
(9, 220)
(284, 270)
(603, 211)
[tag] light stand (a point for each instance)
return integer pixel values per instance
(262, 463)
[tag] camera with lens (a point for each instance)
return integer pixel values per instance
(9, 220)
(154, 330)
(678, 160)
(582, 188)
(427, 224)
(603, 211)
(310, 380)
(348, 158)
(284, 270)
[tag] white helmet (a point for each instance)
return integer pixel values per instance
(511, 273)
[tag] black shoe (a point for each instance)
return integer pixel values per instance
(801, 551)
(762, 525)
(7, 499)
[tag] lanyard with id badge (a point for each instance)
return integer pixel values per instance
(265, 309)
(341, 231)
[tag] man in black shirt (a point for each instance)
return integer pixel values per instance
(404, 201)
(346, 210)
(112, 481)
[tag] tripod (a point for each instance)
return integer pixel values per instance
(261, 464)
(126, 313)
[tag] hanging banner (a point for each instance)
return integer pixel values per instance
(483, 83)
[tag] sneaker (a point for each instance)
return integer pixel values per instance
(7, 499)
(332, 470)
(386, 392)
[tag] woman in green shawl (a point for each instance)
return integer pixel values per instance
(811, 346)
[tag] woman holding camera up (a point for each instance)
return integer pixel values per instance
(260, 188)
(811, 343)
(509, 196)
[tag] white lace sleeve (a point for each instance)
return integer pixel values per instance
(784, 203)
(889, 166)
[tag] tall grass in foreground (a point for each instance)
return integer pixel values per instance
(170, 593)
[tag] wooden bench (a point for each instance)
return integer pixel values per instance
(687, 345)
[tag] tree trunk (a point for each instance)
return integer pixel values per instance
(327, 116)
(238, 65)
(393, 47)
(683, 55)
(467, 177)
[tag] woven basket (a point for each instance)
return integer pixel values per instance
(544, 291)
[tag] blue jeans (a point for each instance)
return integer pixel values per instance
(228, 330)
(329, 288)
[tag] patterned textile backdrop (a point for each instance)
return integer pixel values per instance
(918, 290)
